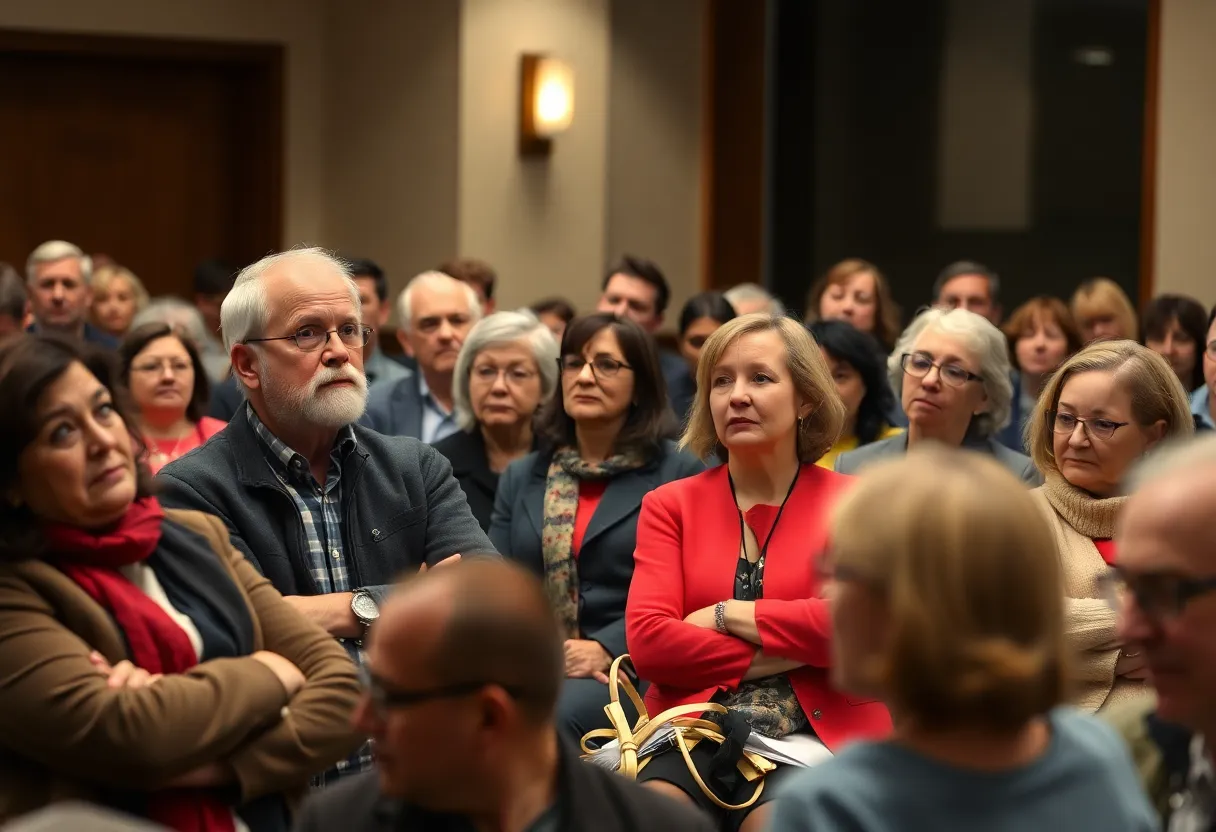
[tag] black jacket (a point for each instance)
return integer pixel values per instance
(466, 450)
(400, 507)
(590, 799)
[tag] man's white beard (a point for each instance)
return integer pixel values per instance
(310, 406)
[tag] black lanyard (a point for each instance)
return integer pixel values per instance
(754, 571)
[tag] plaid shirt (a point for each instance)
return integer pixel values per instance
(320, 508)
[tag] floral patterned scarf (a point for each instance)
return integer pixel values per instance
(566, 471)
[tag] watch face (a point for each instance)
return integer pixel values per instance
(365, 608)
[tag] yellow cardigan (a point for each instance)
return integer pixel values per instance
(848, 443)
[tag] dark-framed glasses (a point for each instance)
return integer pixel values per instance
(1065, 423)
(1211, 349)
(384, 699)
(603, 366)
(311, 338)
(918, 365)
(1161, 596)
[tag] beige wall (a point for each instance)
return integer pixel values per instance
(298, 24)
(1185, 251)
(392, 145)
(655, 115)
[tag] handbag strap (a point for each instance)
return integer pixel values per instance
(682, 744)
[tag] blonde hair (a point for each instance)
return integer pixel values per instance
(105, 275)
(1155, 391)
(886, 314)
(808, 370)
(1101, 297)
(969, 571)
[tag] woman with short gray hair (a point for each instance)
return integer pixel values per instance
(950, 369)
(506, 370)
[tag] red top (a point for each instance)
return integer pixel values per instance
(686, 557)
(1106, 548)
(163, 451)
(590, 492)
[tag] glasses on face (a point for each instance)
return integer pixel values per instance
(918, 365)
(384, 699)
(310, 338)
(1065, 423)
(177, 365)
(1211, 349)
(515, 376)
(1161, 596)
(602, 366)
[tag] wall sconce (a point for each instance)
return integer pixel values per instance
(546, 102)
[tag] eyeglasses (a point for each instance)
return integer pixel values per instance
(1161, 596)
(384, 699)
(488, 374)
(310, 338)
(918, 365)
(602, 366)
(158, 366)
(1211, 349)
(1065, 423)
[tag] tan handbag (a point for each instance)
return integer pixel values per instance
(690, 730)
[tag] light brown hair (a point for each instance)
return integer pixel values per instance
(808, 370)
(1155, 391)
(968, 569)
(470, 270)
(1037, 311)
(886, 314)
(1102, 297)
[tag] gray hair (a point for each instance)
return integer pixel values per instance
(982, 338)
(246, 309)
(434, 280)
(179, 314)
(1179, 456)
(497, 330)
(12, 293)
(753, 292)
(54, 250)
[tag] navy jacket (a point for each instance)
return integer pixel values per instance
(395, 409)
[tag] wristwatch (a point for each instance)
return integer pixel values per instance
(364, 606)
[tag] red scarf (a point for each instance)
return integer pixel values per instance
(158, 644)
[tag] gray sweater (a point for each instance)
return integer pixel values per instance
(1084, 781)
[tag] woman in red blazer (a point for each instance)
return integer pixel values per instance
(725, 603)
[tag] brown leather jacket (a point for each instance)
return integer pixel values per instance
(65, 735)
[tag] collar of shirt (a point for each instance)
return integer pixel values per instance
(425, 392)
(286, 462)
(1201, 406)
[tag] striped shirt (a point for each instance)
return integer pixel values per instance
(320, 509)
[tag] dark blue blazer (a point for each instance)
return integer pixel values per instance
(396, 409)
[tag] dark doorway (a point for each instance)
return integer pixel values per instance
(157, 153)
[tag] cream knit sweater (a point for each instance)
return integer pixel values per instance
(1077, 518)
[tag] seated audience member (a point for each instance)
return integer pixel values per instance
(949, 612)
(555, 313)
(146, 665)
(569, 512)
(212, 283)
(12, 301)
(329, 511)
(117, 295)
(1175, 326)
(1163, 588)
(506, 370)
(434, 315)
(57, 277)
(1203, 400)
(859, 370)
(635, 288)
(183, 318)
(164, 375)
(1103, 311)
(855, 291)
(951, 370)
(479, 636)
(699, 319)
(1041, 335)
(709, 616)
(1104, 409)
(746, 298)
(373, 294)
(971, 286)
(478, 274)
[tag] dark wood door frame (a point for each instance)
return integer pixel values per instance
(1148, 190)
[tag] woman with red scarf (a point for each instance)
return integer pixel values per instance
(144, 664)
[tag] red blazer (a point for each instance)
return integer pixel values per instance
(688, 545)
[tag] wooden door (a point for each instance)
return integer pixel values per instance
(157, 153)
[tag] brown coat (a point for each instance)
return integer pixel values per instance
(65, 735)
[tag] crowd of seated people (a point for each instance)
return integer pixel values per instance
(246, 552)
